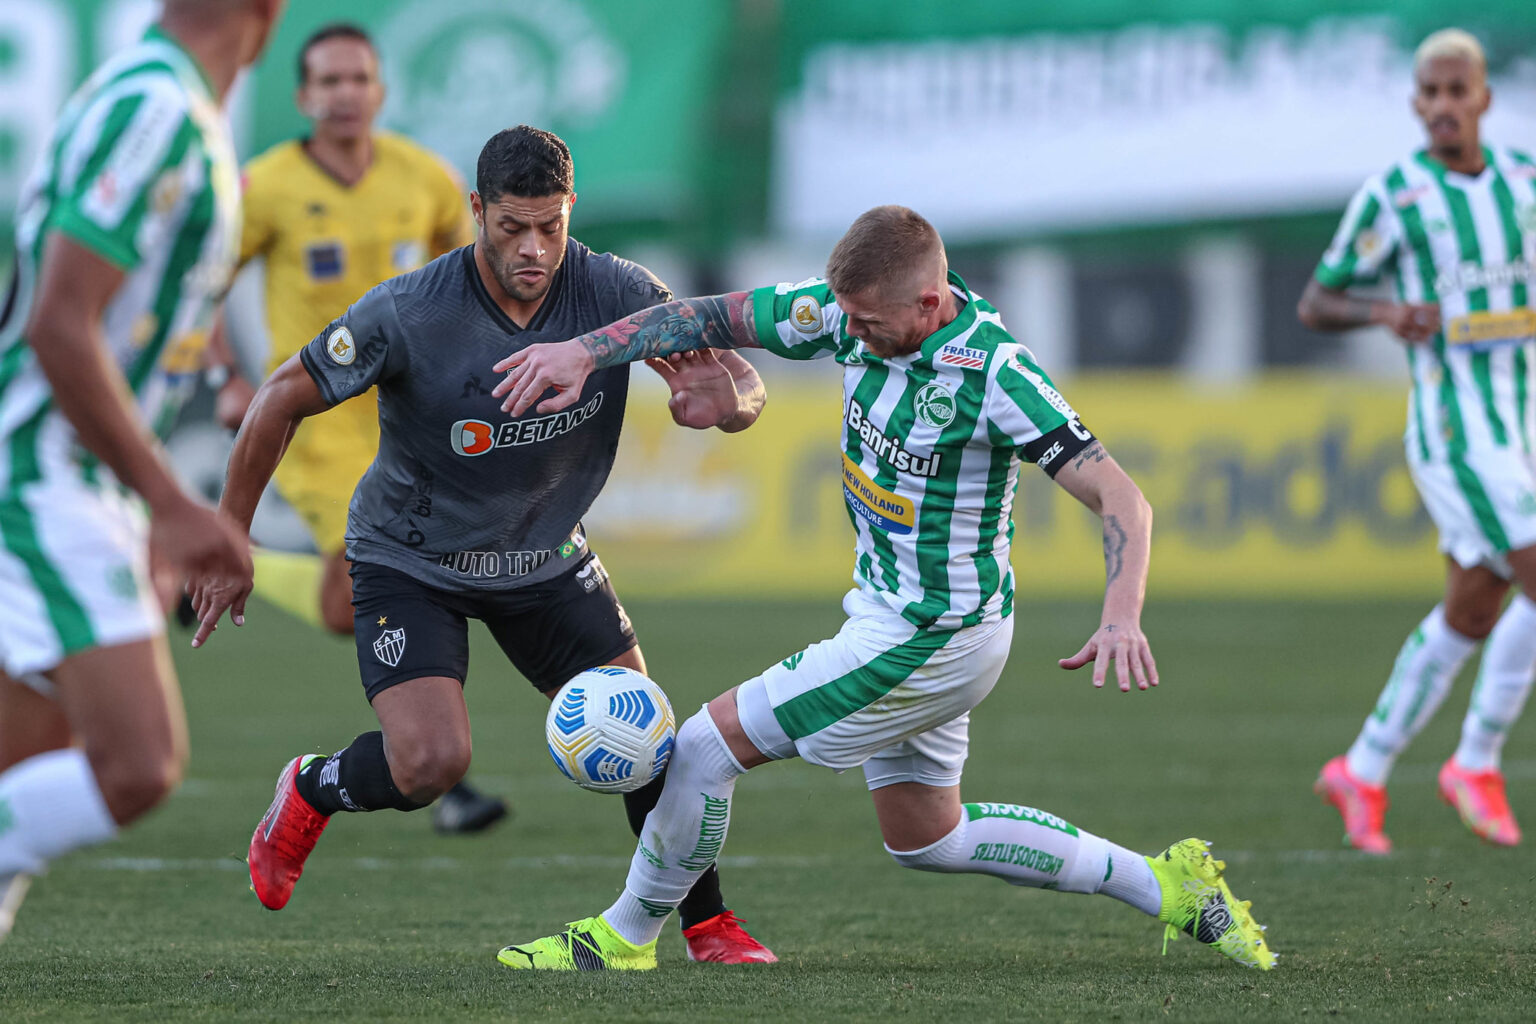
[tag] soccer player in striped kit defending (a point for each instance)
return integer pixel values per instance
(125, 237)
(941, 407)
(1454, 227)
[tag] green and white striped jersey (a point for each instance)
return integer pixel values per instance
(141, 170)
(931, 448)
(1469, 244)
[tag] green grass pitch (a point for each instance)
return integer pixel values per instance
(394, 923)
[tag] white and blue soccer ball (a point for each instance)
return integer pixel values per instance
(610, 730)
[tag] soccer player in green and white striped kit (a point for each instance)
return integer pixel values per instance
(941, 409)
(1454, 227)
(126, 235)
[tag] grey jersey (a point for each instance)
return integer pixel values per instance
(461, 496)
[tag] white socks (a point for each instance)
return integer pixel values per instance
(49, 805)
(1025, 846)
(683, 834)
(1426, 666)
(1503, 683)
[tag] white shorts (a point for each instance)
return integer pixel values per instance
(882, 694)
(74, 572)
(1484, 505)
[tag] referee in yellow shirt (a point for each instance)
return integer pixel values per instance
(332, 215)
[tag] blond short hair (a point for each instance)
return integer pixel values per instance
(1452, 44)
(887, 247)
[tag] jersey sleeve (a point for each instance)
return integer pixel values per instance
(1027, 413)
(640, 289)
(797, 321)
(1366, 240)
(358, 349)
(125, 151)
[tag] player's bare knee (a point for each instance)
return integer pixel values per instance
(425, 772)
(131, 787)
(1473, 621)
(336, 613)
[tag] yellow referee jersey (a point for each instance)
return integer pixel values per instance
(325, 244)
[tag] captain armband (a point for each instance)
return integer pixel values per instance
(1053, 450)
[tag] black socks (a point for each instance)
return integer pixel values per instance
(354, 779)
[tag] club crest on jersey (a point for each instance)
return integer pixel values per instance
(341, 347)
(805, 315)
(1368, 244)
(390, 647)
(959, 355)
(934, 405)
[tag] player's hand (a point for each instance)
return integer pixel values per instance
(703, 390)
(1124, 644)
(1414, 322)
(563, 366)
(232, 401)
(214, 554)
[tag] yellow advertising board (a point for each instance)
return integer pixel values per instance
(1284, 486)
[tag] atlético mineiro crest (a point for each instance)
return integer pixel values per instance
(390, 647)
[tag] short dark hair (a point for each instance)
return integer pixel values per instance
(324, 34)
(524, 161)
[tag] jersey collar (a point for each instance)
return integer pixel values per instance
(156, 34)
(1440, 171)
(472, 271)
(963, 321)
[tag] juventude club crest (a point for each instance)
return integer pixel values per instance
(934, 405)
(390, 647)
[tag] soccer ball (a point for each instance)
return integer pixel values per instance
(610, 730)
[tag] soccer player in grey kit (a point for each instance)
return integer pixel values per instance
(465, 513)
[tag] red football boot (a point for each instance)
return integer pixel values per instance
(283, 839)
(1362, 806)
(722, 939)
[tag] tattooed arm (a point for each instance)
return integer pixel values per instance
(684, 325)
(1096, 480)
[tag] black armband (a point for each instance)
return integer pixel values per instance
(1052, 451)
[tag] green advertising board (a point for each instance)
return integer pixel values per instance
(628, 85)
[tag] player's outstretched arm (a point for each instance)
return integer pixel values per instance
(1096, 480)
(1329, 309)
(276, 411)
(64, 332)
(683, 325)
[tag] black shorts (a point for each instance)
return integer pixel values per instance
(406, 629)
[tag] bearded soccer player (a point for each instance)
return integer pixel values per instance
(1454, 227)
(941, 408)
(466, 514)
(125, 239)
(331, 215)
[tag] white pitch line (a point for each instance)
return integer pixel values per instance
(191, 864)
(1337, 855)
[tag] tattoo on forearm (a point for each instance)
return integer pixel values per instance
(1093, 453)
(1114, 549)
(685, 325)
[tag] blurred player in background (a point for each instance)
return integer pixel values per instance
(332, 215)
(126, 236)
(941, 409)
(1454, 225)
(467, 514)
